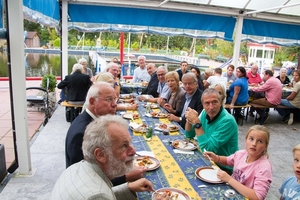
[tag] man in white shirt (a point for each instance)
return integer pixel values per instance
(140, 74)
(216, 78)
(108, 153)
(113, 68)
(162, 89)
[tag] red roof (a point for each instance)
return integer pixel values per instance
(260, 45)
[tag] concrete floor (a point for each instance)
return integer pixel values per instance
(48, 161)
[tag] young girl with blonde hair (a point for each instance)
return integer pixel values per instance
(252, 171)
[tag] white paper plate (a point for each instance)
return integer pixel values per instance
(155, 162)
(183, 146)
(208, 174)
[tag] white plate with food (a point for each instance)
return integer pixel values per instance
(130, 115)
(208, 174)
(159, 115)
(173, 193)
(146, 161)
(126, 100)
(126, 96)
(152, 105)
(166, 127)
(138, 127)
(184, 145)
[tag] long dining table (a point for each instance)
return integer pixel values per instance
(127, 88)
(176, 170)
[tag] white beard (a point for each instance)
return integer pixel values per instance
(118, 168)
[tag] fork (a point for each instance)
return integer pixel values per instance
(185, 142)
(209, 158)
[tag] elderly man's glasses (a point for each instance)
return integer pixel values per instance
(160, 74)
(110, 99)
(188, 83)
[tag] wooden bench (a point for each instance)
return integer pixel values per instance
(203, 56)
(244, 111)
(72, 110)
(264, 110)
(221, 59)
(66, 104)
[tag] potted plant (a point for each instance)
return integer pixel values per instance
(52, 82)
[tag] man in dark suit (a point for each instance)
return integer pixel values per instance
(77, 85)
(101, 100)
(153, 83)
(192, 98)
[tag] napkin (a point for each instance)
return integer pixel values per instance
(148, 115)
(135, 126)
(183, 152)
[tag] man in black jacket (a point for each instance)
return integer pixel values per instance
(153, 83)
(192, 98)
(77, 85)
(101, 100)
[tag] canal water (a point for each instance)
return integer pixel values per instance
(38, 64)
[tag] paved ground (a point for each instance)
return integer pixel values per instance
(48, 160)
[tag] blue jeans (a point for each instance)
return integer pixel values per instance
(283, 111)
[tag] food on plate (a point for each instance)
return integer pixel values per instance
(161, 114)
(175, 144)
(162, 195)
(136, 115)
(163, 126)
(173, 127)
(144, 161)
(126, 96)
(154, 114)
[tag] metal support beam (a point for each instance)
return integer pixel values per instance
(64, 38)
(237, 40)
(18, 83)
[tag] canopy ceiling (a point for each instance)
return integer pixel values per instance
(194, 18)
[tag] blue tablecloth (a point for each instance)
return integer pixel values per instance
(176, 170)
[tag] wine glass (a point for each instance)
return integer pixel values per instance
(140, 90)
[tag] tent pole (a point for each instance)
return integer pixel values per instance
(15, 40)
(237, 40)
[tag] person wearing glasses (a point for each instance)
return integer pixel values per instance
(101, 100)
(162, 89)
(215, 129)
(191, 98)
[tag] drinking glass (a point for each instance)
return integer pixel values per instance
(140, 90)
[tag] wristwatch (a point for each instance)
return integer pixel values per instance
(198, 125)
(180, 118)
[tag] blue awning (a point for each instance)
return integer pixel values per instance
(271, 29)
(148, 17)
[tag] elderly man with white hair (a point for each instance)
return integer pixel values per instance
(108, 153)
(77, 84)
(113, 68)
(85, 69)
(140, 73)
